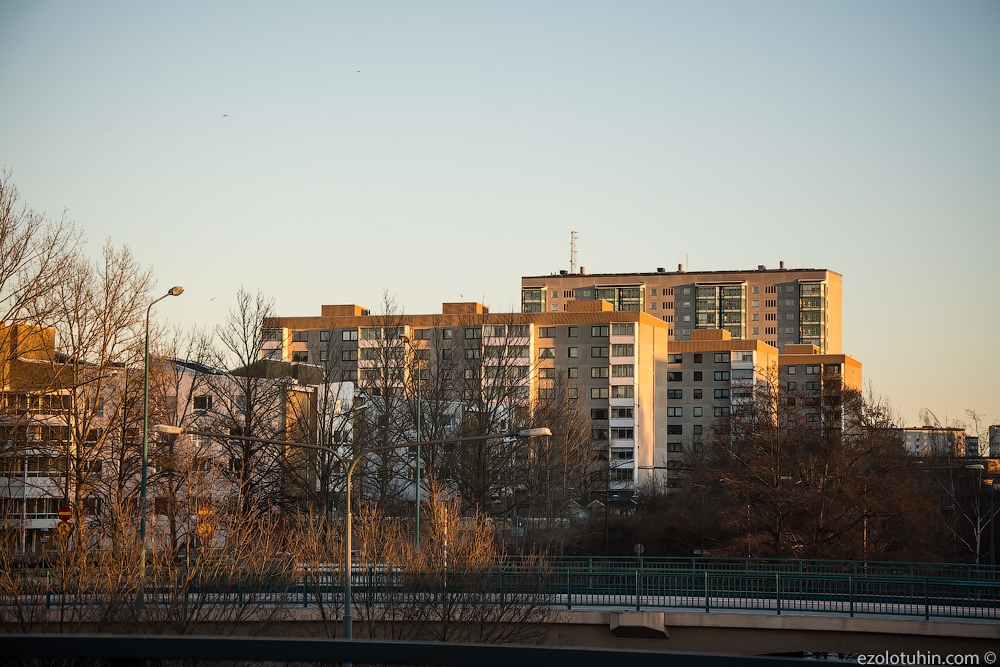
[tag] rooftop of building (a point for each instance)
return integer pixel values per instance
(463, 314)
(661, 271)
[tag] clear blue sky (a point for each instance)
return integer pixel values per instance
(441, 150)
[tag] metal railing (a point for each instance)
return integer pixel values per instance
(559, 583)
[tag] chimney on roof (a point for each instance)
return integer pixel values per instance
(583, 270)
(680, 268)
(781, 265)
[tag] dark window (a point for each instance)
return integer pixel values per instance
(675, 429)
(674, 376)
(697, 376)
(675, 447)
(697, 392)
(697, 358)
(675, 393)
(598, 413)
(300, 356)
(721, 393)
(202, 402)
(721, 375)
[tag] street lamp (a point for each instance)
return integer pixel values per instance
(349, 465)
(416, 503)
(173, 291)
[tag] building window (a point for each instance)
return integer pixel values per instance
(756, 317)
(599, 433)
(599, 331)
(622, 350)
(546, 353)
(675, 429)
(422, 334)
(300, 356)
(697, 376)
(675, 358)
(599, 392)
(599, 352)
(573, 393)
(790, 289)
(622, 371)
(473, 353)
(721, 375)
(697, 412)
(547, 373)
(652, 292)
(789, 316)
(324, 336)
(447, 334)
(598, 413)
(791, 370)
(349, 355)
(573, 352)
(675, 376)
(791, 385)
(371, 333)
(271, 335)
(756, 331)
(623, 391)
(696, 392)
(546, 332)
(696, 429)
(813, 370)
(555, 307)
(202, 403)
(623, 433)
(471, 333)
(446, 353)
(546, 392)
(721, 393)
(812, 417)
(814, 386)
(675, 412)
(756, 289)
(720, 411)
(722, 357)
(573, 332)
(300, 337)
(676, 394)
(599, 372)
(675, 447)
(573, 373)
(621, 413)
(652, 305)
(623, 329)
(833, 368)
(324, 356)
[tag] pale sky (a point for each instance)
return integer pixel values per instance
(325, 152)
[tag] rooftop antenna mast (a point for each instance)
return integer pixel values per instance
(572, 250)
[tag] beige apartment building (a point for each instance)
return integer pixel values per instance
(710, 376)
(777, 306)
(613, 364)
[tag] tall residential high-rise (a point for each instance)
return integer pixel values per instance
(777, 306)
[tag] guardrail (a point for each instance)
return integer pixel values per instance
(548, 586)
(964, 571)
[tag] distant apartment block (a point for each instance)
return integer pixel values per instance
(931, 441)
(777, 306)
(612, 364)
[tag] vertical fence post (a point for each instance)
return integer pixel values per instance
(927, 607)
(706, 591)
(777, 591)
(637, 579)
(569, 588)
(850, 586)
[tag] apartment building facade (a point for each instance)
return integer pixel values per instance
(709, 377)
(812, 385)
(611, 364)
(777, 306)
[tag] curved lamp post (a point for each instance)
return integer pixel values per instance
(349, 465)
(173, 291)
